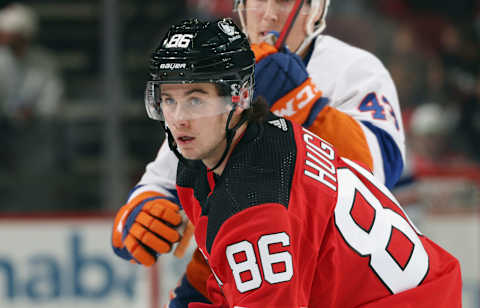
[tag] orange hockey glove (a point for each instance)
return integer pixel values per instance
(146, 227)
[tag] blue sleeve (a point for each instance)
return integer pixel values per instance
(185, 293)
(391, 155)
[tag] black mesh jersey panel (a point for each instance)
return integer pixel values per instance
(260, 170)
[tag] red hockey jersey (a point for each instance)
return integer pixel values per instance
(291, 224)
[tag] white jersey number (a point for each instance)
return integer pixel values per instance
(249, 264)
(375, 241)
(179, 41)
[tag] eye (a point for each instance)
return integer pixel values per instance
(195, 101)
(167, 101)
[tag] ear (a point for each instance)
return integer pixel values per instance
(244, 98)
(318, 14)
(241, 5)
(237, 114)
(238, 110)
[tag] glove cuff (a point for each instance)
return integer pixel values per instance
(297, 104)
(262, 50)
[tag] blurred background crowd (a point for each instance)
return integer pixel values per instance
(73, 129)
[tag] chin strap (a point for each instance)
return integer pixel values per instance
(314, 27)
(173, 147)
(229, 134)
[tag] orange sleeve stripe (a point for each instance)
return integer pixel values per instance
(123, 213)
(296, 105)
(198, 272)
(344, 133)
(262, 50)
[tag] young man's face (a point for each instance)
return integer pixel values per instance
(196, 116)
(263, 16)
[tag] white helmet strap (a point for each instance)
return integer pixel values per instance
(238, 7)
(314, 28)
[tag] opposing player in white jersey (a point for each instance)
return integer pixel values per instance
(343, 94)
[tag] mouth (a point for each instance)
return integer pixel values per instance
(267, 36)
(263, 34)
(182, 140)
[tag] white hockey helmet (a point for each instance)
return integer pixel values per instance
(313, 27)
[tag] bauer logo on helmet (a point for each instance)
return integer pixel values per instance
(173, 66)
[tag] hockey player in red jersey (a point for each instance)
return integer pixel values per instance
(280, 217)
(358, 113)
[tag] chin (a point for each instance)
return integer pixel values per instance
(190, 156)
(186, 154)
(256, 40)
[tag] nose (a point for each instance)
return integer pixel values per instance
(180, 117)
(180, 123)
(271, 10)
